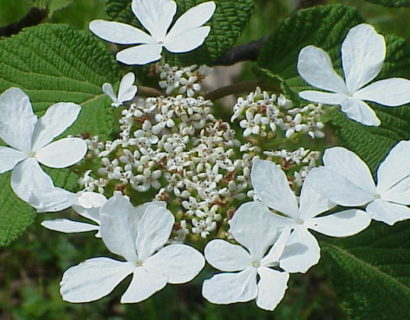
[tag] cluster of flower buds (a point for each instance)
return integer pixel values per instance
(262, 114)
(182, 80)
(174, 148)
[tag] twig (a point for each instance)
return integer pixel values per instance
(246, 52)
(149, 92)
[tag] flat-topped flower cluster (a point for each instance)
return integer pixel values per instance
(203, 177)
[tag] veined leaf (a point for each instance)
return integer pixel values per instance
(54, 63)
(372, 272)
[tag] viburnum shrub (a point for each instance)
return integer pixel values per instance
(140, 151)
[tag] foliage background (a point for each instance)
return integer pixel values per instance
(31, 268)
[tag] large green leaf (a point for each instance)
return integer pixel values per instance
(362, 280)
(392, 3)
(372, 272)
(54, 63)
(227, 24)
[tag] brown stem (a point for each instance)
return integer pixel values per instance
(245, 52)
(149, 92)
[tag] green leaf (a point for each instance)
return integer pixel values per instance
(392, 3)
(227, 24)
(372, 272)
(55, 63)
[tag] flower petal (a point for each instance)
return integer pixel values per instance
(345, 179)
(388, 212)
(119, 223)
(68, 226)
(62, 153)
(226, 256)
(143, 285)
(17, 119)
(277, 249)
(56, 120)
(34, 186)
(338, 188)
(312, 203)
(141, 54)
(90, 200)
(88, 205)
(393, 175)
(271, 288)
(154, 230)
(156, 16)
(186, 41)
(363, 53)
(348, 164)
(109, 91)
(93, 279)
(341, 224)
(255, 227)
(323, 97)
(127, 90)
(315, 67)
(302, 251)
(272, 188)
(225, 288)
(360, 112)
(178, 262)
(9, 158)
(193, 18)
(120, 33)
(390, 92)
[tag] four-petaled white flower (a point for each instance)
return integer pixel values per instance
(271, 187)
(257, 231)
(363, 54)
(126, 91)
(31, 143)
(186, 34)
(138, 235)
(346, 180)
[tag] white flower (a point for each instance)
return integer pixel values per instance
(138, 235)
(346, 180)
(156, 16)
(88, 205)
(272, 189)
(126, 91)
(31, 142)
(257, 231)
(363, 54)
